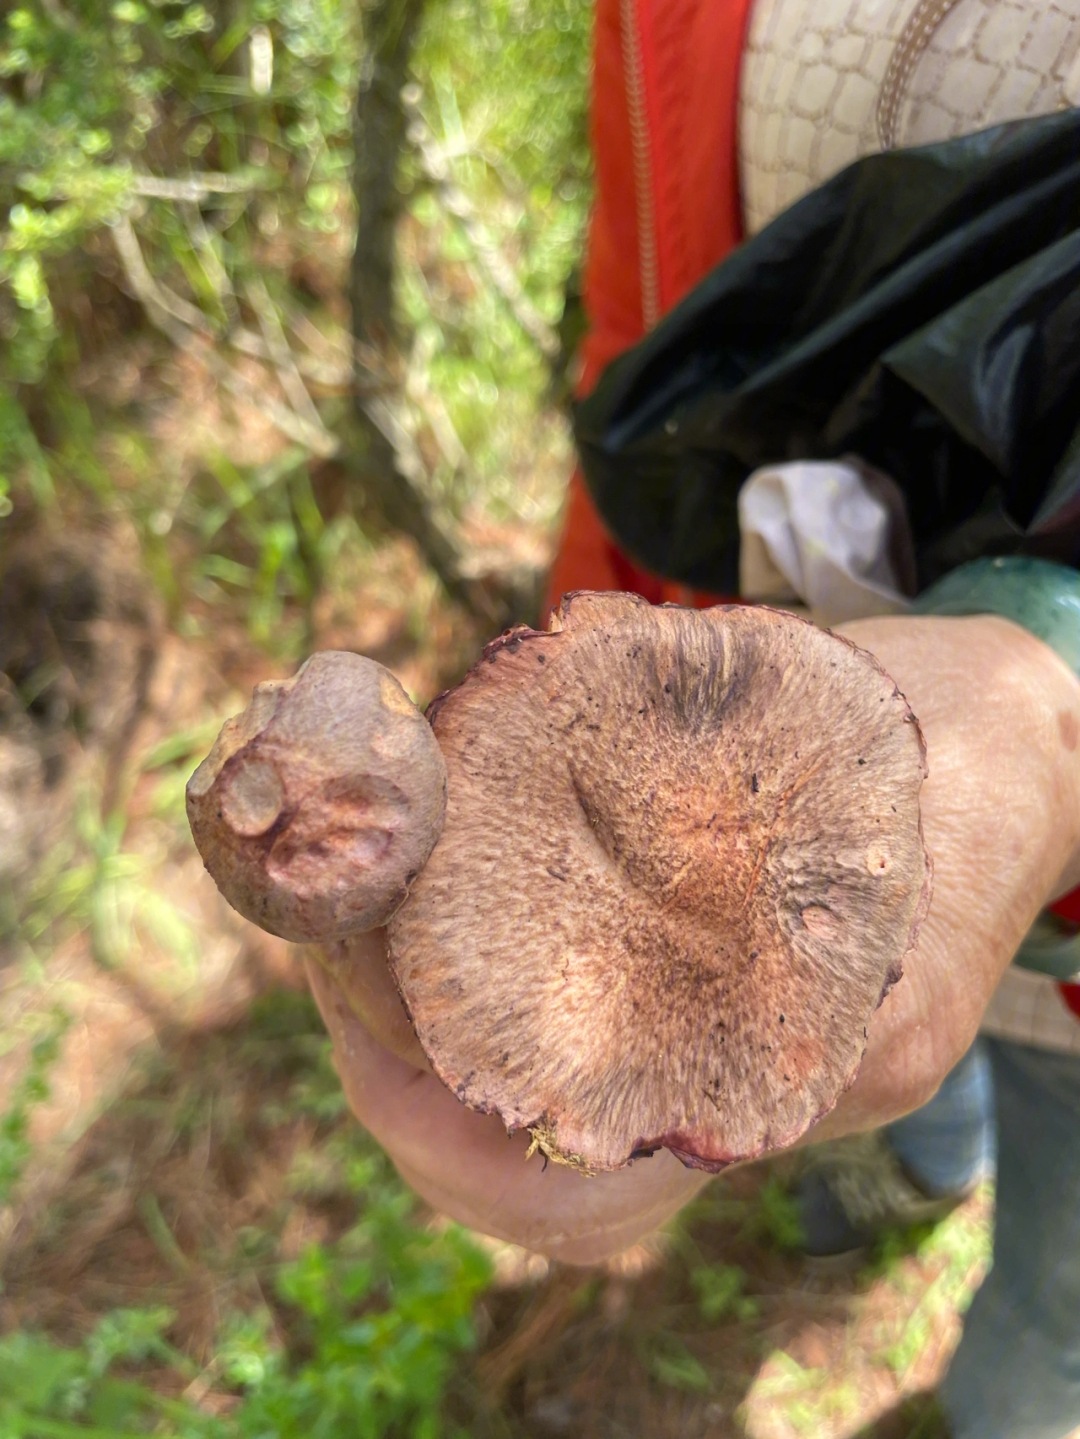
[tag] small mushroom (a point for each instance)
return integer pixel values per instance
(681, 864)
(320, 803)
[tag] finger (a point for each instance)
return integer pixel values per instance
(464, 1164)
(358, 966)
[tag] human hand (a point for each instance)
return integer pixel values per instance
(1001, 819)
(1001, 815)
(462, 1162)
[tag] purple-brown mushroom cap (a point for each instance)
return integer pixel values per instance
(682, 862)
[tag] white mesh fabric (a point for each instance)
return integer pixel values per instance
(813, 71)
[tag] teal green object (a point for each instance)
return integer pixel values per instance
(1045, 599)
(1042, 597)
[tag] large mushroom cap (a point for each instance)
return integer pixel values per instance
(681, 865)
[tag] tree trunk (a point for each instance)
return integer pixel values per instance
(379, 132)
(392, 471)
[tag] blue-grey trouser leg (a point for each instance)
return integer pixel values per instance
(950, 1142)
(1016, 1374)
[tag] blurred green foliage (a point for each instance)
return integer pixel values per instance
(96, 96)
(109, 112)
(31, 1090)
(505, 93)
(719, 1289)
(359, 1337)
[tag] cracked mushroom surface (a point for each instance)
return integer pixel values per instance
(681, 865)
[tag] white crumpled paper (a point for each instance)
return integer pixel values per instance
(832, 536)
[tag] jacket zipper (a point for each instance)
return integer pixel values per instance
(634, 70)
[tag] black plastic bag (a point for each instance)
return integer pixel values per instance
(921, 310)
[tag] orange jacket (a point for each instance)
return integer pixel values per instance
(664, 132)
